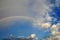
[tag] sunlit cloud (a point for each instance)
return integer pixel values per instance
(58, 37)
(54, 27)
(54, 32)
(33, 35)
(46, 25)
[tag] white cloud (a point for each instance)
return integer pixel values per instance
(58, 37)
(54, 32)
(33, 35)
(46, 25)
(54, 27)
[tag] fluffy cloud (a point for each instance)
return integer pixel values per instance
(54, 27)
(58, 37)
(54, 32)
(33, 35)
(46, 25)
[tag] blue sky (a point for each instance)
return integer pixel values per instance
(22, 29)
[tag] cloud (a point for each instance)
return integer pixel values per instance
(44, 20)
(46, 25)
(33, 35)
(44, 17)
(58, 37)
(58, 24)
(30, 8)
(15, 8)
(54, 27)
(54, 32)
(57, 3)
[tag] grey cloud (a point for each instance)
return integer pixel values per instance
(14, 8)
(30, 8)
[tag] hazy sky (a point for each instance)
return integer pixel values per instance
(13, 8)
(30, 8)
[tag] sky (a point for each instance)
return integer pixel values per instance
(26, 17)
